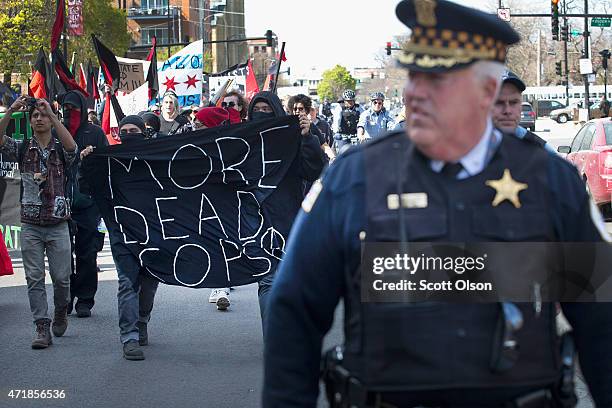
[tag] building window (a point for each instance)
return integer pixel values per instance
(147, 35)
(153, 4)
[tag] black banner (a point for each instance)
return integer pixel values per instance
(192, 207)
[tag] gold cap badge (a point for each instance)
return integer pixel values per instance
(425, 12)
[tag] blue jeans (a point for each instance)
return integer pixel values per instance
(263, 289)
(54, 241)
(136, 289)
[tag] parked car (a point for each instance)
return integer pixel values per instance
(565, 114)
(591, 153)
(571, 113)
(544, 107)
(528, 116)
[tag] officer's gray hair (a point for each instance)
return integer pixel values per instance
(485, 70)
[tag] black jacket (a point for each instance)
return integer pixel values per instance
(86, 134)
(307, 166)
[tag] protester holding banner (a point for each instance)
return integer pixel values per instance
(136, 287)
(214, 116)
(152, 124)
(85, 214)
(171, 122)
(284, 203)
(44, 162)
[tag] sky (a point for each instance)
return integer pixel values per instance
(323, 33)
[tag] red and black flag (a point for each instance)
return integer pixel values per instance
(152, 77)
(108, 63)
(58, 25)
(64, 74)
(39, 86)
(92, 82)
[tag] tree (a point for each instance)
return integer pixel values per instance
(24, 26)
(334, 81)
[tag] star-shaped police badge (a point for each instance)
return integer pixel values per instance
(506, 188)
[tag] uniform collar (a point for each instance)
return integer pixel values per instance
(476, 159)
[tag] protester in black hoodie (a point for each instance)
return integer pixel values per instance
(288, 196)
(84, 278)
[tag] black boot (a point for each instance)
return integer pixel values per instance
(82, 310)
(132, 351)
(60, 321)
(42, 337)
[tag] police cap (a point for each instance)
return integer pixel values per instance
(447, 36)
(510, 77)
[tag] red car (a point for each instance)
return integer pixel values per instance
(591, 153)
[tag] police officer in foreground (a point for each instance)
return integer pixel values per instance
(508, 108)
(450, 177)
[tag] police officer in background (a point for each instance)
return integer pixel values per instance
(346, 117)
(508, 108)
(375, 121)
(450, 177)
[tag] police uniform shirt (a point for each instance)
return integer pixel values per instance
(311, 279)
(476, 159)
(521, 132)
(375, 124)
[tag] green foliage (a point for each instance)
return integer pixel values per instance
(24, 26)
(334, 82)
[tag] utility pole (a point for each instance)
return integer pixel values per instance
(565, 57)
(169, 29)
(539, 60)
(586, 55)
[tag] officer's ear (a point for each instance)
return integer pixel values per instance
(490, 92)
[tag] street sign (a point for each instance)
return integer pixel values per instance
(601, 22)
(586, 67)
(503, 14)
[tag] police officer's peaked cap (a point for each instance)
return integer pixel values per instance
(510, 77)
(448, 36)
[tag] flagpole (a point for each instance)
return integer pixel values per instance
(65, 35)
(280, 61)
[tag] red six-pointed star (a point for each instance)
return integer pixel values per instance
(191, 81)
(170, 83)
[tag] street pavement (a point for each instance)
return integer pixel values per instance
(555, 133)
(197, 356)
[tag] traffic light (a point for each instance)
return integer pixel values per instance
(565, 33)
(269, 39)
(605, 56)
(554, 10)
(389, 48)
(559, 68)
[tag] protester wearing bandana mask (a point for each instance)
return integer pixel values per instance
(137, 288)
(131, 128)
(84, 277)
(288, 196)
